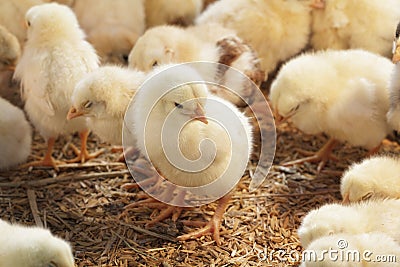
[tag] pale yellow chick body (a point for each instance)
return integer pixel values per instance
(209, 42)
(347, 24)
(181, 12)
(348, 250)
(25, 246)
(15, 135)
(102, 97)
(393, 116)
(332, 92)
(377, 177)
(275, 29)
(12, 16)
(379, 215)
(10, 50)
(190, 103)
(112, 26)
(54, 59)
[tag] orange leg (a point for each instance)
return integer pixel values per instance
(214, 225)
(83, 155)
(322, 156)
(48, 160)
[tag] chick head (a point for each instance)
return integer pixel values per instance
(187, 101)
(103, 92)
(327, 220)
(356, 184)
(40, 249)
(52, 21)
(396, 45)
(10, 50)
(157, 46)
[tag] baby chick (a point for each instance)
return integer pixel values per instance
(10, 50)
(114, 34)
(351, 250)
(12, 14)
(393, 116)
(24, 246)
(180, 12)
(103, 97)
(275, 29)
(209, 42)
(344, 24)
(54, 59)
(379, 215)
(352, 109)
(186, 109)
(15, 135)
(373, 177)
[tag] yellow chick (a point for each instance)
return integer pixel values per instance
(180, 12)
(24, 246)
(186, 109)
(393, 116)
(275, 29)
(115, 33)
(103, 97)
(379, 215)
(352, 108)
(210, 42)
(345, 24)
(363, 250)
(54, 59)
(12, 16)
(15, 135)
(10, 50)
(373, 177)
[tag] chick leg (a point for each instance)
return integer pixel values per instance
(83, 154)
(322, 156)
(214, 225)
(48, 159)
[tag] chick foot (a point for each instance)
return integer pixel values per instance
(83, 155)
(47, 160)
(214, 225)
(166, 210)
(322, 156)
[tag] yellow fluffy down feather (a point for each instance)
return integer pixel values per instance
(366, 24)
(275, 29)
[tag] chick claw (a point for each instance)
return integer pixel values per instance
(83, 155)
(322, 156)
(45, 162)
(214, 225)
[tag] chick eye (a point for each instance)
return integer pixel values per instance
(178, 105)
(28, 23)
(155, 63)
(52, 264)
(367, 196)
(125, 58)
(88, 104)
(295, 108)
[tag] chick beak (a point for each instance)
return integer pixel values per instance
(346, 199)
(396, 54)
(10, 68)
(199, 114)
(73, 113)
(280, 119)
